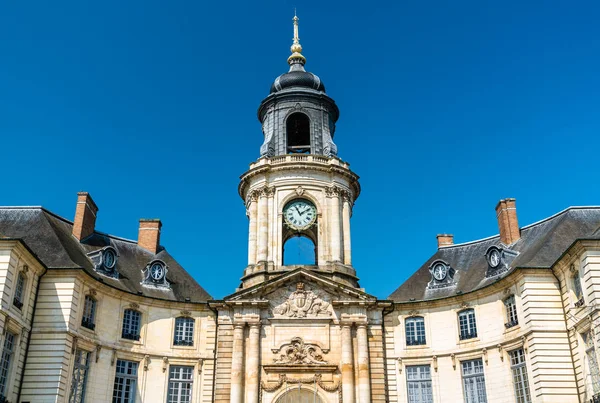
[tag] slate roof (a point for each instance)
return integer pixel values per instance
(540, 246)
(50, 238)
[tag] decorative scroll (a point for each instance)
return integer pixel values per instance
(299, 353)
(315, 379)
(303, 303)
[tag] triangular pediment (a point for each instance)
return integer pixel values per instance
(288, 282)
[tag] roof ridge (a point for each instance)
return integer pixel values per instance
(543, 220)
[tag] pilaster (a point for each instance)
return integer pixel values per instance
(346, 213)
(237, 364)
(364, 379)
(253, 360)
(347, 364)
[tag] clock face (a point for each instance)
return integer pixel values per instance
(300, 214)
(157, 271)
(494, 258)
(109, 259)
(439, 271)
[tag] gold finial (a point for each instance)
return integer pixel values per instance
(296, 56)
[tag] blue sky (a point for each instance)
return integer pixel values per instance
(446, 107)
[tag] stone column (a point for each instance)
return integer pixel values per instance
(271, 219)
(263, 227)
(346, 224)
(334, 219)
(237, 364)
(253, 360)
(364, 378)
(347, 364)
(252, 212)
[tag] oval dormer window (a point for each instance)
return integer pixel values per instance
(109, 259)
(157, 271)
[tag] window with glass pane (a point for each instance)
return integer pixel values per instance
(89, 313)
(415, 331)
(80, 371)
(125, 381)
(18, 299)
(7, 353)
(131, 324)
(473, 381)
(418, 383)
(511, 312)
(180, 384)
(577, 286)
(466, 321)
(593, 377)
(184, 332)
(519, 374)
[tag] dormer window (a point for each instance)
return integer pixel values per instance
(442, 275)
(498, 260)
(155, 274)
(105, 261)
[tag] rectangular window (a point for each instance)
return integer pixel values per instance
(466, 321)
(80, 371)
(415, 331)
(184, 332)
(131, 324)
(18, 299)
(593, 377)
(473, 381)
(418, 382)
(7, 353)
(89, 313)
(519, 373)
(125, 381)
(511, 312)
(180, 384)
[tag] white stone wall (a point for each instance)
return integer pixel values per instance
(14, 258)
(541, 332)
(57, 330)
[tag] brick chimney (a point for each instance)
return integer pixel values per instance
(445, 240)
(85, 216)
(506, 211)
(149, 234)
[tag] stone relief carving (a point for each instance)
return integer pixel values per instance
(297, 352)
(301, 303)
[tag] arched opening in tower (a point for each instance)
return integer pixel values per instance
(298, 134)
(299, 250)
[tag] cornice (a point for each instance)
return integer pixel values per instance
(287, 164)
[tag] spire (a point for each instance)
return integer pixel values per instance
(296, 56)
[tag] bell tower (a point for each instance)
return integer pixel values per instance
(299, 187)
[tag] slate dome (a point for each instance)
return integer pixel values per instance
(298, 78)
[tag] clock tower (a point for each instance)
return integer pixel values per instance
(299, 187)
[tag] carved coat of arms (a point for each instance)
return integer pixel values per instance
(303, 303)
(297, 352)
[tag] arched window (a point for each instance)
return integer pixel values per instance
(299, 250)
(298, 134)
(297, 395)
(415, 331)
(184, 331)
